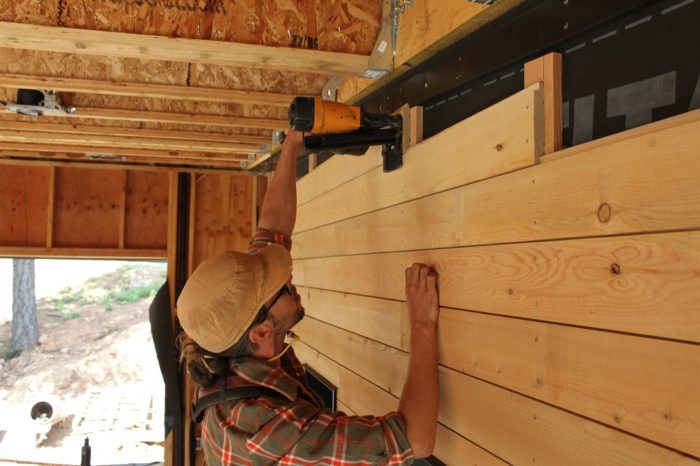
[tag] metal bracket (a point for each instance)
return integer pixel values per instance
(381, 61)
(330, 89)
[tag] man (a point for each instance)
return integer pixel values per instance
(237, 309)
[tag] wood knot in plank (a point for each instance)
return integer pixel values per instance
(604, 213)
(615, 269)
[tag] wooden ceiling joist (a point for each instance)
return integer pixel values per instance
(176, 118)
(144, 90)
(191, 136)
(145, 47)
(118, 142)
(107, 153)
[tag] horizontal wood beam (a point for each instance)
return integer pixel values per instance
(599, 192)
(144, 90)
(176, 118)
(71, 253)
(52, 159)
(119, 143)
(76, 128)
(96, 152)
(148, 47)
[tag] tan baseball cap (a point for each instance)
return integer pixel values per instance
(225, 293)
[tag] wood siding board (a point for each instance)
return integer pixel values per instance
(365, 398)
(497, 140)
(147, 210)
(25, 194)
(648, 183)
(514, 427)
(639, 284)
(87, 208)
(377, 319)
(334, 172)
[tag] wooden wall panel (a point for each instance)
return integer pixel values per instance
(643, 184)
(24, 196)
(569, 330)
(88, 204)
(146, 210)
(509, 425)
(365, 398)
(222, 215)
(638, 284)
(497, 140)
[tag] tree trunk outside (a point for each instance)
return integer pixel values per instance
(25, 329)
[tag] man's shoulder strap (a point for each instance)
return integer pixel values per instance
(234, 394)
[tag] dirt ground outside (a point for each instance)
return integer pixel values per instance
(97, 368)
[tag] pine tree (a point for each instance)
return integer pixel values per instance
(25, 329)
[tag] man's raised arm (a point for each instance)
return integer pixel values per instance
(279, 209)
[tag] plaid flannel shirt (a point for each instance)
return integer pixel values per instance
(293, 428)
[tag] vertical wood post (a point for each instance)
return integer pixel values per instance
(122, 210)
(547, 69)
(51, 207)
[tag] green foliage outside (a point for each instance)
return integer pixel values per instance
(128, 284)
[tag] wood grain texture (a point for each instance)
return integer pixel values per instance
(548, 71)
(648, 183)
(90, 253)
(143, 90)
(497, 140)
(368, 399)
(514, 427)
(77, 128)
(125, 142)
(87, 208)
(191, 119)
(124, 45)
(24, 193)
(642, 385)
(378, 319)
(336, 171)
(222, 215)
(146, 210)
(638, 284)
(427, 22)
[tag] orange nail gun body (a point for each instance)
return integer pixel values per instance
(347, 129)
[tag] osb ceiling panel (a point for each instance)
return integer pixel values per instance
(349, 26)
(332, 25)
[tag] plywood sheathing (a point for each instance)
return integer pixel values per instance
(566, 286)
(332, 25)
(327, 25)
(25, 196)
